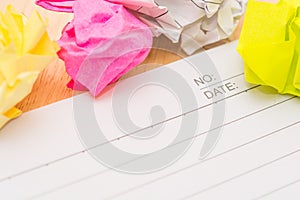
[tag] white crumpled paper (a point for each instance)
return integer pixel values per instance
(193, 23)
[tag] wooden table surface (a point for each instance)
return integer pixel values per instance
(51, 84)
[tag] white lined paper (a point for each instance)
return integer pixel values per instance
(48, 161)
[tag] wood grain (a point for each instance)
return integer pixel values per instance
(51, 87)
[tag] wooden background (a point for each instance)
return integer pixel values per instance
(51, 84)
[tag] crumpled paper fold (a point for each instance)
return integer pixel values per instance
(57, 5)
(25, 49)
(270, 45)
(102, 43)
(193, 23)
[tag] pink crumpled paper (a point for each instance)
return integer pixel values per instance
(57, 5)
(101, 43)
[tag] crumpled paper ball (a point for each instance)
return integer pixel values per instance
(102, 43)
(193, 24)
(25, 49)
(270, 45)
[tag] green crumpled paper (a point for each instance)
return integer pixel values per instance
(270, 45)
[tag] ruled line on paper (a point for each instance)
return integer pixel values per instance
(129, 134)
(193, 165)
(278, 189)
(208, 159)
(241, 74)
(242, 174)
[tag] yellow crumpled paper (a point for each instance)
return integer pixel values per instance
(270, 45)
(25, 49)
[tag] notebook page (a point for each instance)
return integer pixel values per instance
(251, 152)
